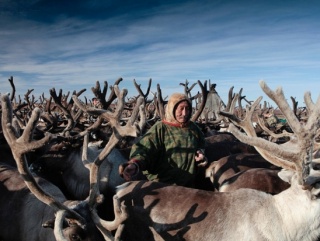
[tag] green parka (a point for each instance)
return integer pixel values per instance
(167, 151)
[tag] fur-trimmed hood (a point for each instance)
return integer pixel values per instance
(173, 101)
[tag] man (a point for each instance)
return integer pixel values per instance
(171, 150)
(271, 119)
(95, 102)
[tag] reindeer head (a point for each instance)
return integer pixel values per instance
(297, 153)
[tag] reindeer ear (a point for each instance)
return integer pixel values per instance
(286, 175)
(48, 224)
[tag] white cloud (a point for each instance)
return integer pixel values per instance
(232, 45)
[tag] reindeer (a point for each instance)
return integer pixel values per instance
(226, 167)
(73, 220)
(158, 211)
(61, 161)
(262, 179)
(25, 217)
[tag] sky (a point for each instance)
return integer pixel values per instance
(70, 45)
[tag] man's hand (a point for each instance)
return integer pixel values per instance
(128, 170)
(200, 158)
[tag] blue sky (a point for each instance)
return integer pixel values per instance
(71, 44)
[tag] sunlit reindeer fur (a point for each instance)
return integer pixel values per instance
(163, 212)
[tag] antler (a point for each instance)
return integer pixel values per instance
(204, 93)
(61, 102)
(159, 103)
(292, 154)
(101, 95)
(119, 131)
(187, 90)
(20, 145)
(138, 87)
(13, 88)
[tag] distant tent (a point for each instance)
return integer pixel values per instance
(213, 105)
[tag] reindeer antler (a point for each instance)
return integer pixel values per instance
(292, 154)
(20, 145)
(138, 87)
(119, 131)
(204, 94)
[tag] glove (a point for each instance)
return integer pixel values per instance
(129, 170)
(200, 158)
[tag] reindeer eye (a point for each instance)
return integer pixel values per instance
(75, 237)
(316, 166)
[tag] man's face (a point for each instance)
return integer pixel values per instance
(182, 112)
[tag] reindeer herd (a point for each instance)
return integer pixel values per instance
(60, 157)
